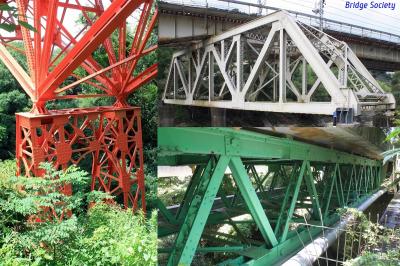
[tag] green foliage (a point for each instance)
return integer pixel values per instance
(115, 237)
(172, 190)
(151, 188)
(12, 100)
(396, 85)
(30, 233)
(164, 55)
(385, 86)
(12, 11)
(372, 259)
(363, 230)
(245, 230)
(378, 245)
(7, 169)
(393, 137)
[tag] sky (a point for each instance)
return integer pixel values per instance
(380, 19)
(386, 20)
(73, 15)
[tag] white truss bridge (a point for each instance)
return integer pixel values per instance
(274, 64)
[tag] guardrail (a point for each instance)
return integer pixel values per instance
(328, 24)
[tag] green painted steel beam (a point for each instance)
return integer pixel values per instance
(222, 249)
(245, 144)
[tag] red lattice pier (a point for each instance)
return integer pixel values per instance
(60, 65)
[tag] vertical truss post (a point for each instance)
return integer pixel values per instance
(350, 189)
(332, 180)
(340, 188)
(312, 191)
(239, 64)
(288, 194)
(294, 200)
(275, 86)
(211, 92)
(282, 65)
(304, 79)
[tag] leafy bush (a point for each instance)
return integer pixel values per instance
(111, 236)
(39, 225)
(376, 244)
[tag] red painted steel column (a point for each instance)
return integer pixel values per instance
(111, 135)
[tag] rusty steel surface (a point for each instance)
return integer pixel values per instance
(365, 141)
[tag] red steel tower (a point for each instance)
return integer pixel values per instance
(60, 66)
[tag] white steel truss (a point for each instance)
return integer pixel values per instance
(274, 64)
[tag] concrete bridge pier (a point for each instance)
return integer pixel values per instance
(218, 117)
(167, 114)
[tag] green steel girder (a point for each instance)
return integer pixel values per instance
(302, 182)
(244, 144)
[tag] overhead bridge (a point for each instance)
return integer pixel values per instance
(275, 64)
(271, 183)
(183, 21)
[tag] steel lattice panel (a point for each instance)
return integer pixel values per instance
(110, 137)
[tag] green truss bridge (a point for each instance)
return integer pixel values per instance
(278, 180)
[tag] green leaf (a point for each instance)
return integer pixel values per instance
(6, 7)
(7, 27)
(26, 25)
(394, 134)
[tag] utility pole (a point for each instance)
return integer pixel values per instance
(319, 10)
(261, 4)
